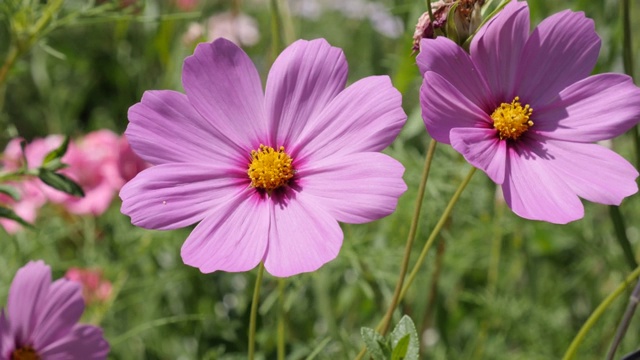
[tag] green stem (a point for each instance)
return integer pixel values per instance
(621, 235)
(383, 326)
(254, 312)
(579, 338)
(430, 11)
(413, 229)
(276, 29)
(11, 58)
(281, 329)
(436, 231)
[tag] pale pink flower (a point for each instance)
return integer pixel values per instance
(41, 318)
(239, 28)
(95, 288)
(523, 108)
(267, 174)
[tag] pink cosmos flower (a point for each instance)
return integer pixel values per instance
(523, 108)
(93, 164)
(31, 195)
(267, 174)
(40, 321)
(95, 288)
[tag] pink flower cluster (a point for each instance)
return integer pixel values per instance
(100, 162)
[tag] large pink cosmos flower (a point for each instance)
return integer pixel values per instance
(268, 175)
(40, 321)
(523, 108)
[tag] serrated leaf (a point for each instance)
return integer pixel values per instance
(56, 153)
(401, 348)
(406, 327)
(374, 343)
(60, 182)
(11, 191)
(9, 214)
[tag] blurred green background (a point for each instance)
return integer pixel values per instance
(494, 287)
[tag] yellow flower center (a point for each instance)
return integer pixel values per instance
(25, 353)
(512, 120)
(270, 169)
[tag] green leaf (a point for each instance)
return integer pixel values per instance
(56, 153)
(60, 182)
(406, 327)
(11, 191)
(450, 26)
(401, 349)
(9, 214)
(375, 343)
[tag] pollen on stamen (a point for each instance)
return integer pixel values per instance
(512, 120)
(270, 169)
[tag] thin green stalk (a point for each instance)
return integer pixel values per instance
(281, 319)
(621, 235)
(626, 320)
(276, 29)
(254, 312)
(11, 58)
(593, 318)
(413, 229)
(430, 11)
(383, 326)
(436, 231)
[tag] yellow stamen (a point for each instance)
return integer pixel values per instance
(25, 353)
(512, 120)
(270, 169)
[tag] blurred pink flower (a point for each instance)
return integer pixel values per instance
(95, 288)
(240, 28)
(41, 318)
(31, 195)
(186, 5)
(129, 164)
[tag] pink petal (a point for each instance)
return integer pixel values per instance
(302, 237)
(62, 310)
(367, 116)
(163, 115)
(27, 296)
(497, 47)
(172, 196)
(593, 172)
(83, 342)
(95, 201)
(233, 238)
(483, 149)
(448, 59)
(534, 190)
(302, 81)
(599, 107)
(356, 188)
(563, 49)
(223, 85)
(445, 108)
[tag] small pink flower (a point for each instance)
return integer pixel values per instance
(94, 287)
(523, 108)
(93, 164)
(41, 318)
(129, 164)
(240, 28)
(31, 195)
(186, 5)
(267, 174)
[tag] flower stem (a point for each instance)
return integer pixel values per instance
(383, 326)
(621, 235)
(281, 342)
(254, 312)
(626, 319)
(436, 231)
(430, 11)
(577, 340)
